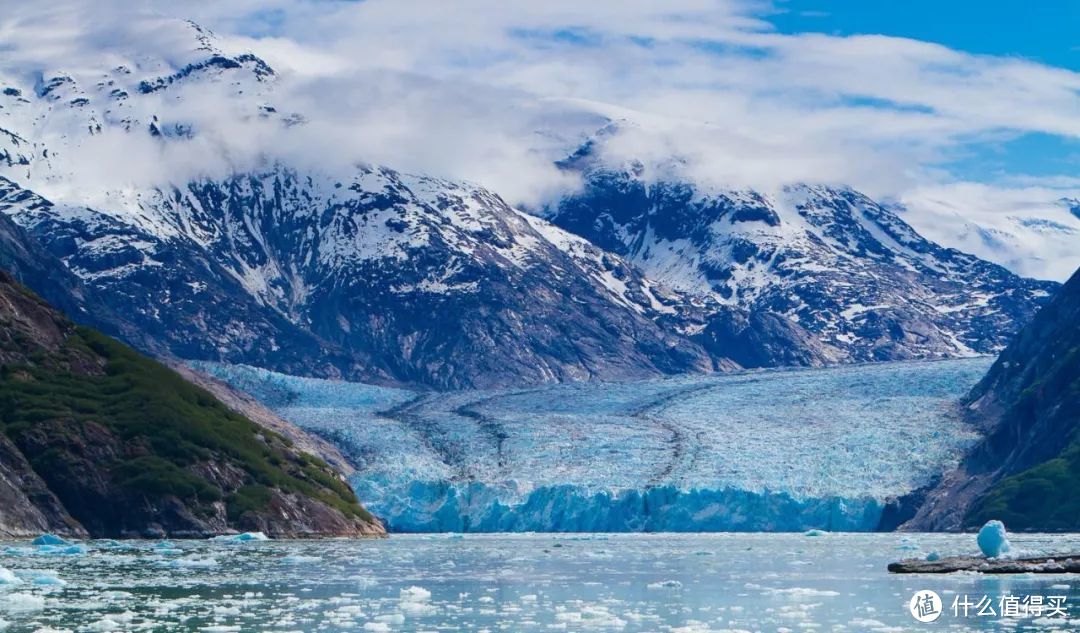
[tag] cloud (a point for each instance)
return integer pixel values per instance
(491, 91)
(1029, 229)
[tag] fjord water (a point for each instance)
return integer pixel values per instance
(658, 583)
(783, 450)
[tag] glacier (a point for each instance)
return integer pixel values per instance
(772, 450)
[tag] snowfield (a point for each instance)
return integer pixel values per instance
(767, 450)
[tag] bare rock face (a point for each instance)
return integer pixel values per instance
(27, 506)
(97, 439)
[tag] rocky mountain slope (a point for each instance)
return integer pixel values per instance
(1026, 471)
(384, 277)
(97, 439)
(366, 273)
(844, 268)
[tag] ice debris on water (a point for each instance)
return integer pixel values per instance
(242, 538)
(414, 594)
(24, 602)
(49, 579)
(933, 556)
(815, 532)
(7, 577)
(992, 540)
(50, 539)
(665, 584)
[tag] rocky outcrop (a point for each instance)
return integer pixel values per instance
(1060, 564)
(27, 506)
(1026, 471)
(100, 440)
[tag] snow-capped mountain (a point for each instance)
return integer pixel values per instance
(213, 252)
(843, 267)
(386, 276)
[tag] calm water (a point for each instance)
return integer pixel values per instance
(682, 583)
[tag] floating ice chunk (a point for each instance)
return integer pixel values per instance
(242, 538)
(49, 539)
(376, 626)
(392, 618)
(665, 584)
(7, 577)
(24, 602)
(49, 579)
(297, 559)
(192, 563)
(932, 556)
(104, 624)
(815, 532)
(414, 594)
(992, 539)
(61, 550)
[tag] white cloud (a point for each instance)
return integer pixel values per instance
(1031, 230)
(491, 91)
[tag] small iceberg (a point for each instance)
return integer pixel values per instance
(49, 580)
(414, 594)
(993, 540)
(665, 584)
(50, 539)
(61, 550)
(242, 538)
(933, 556)
(7, 577)
(815, 532)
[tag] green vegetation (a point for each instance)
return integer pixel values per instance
(1046, 497)
(167, 425)
(247, 499)
(157, 477)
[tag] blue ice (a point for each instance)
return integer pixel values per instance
(768, 450)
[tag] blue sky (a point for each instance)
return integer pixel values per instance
(1041, 30)
(1044, 31)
